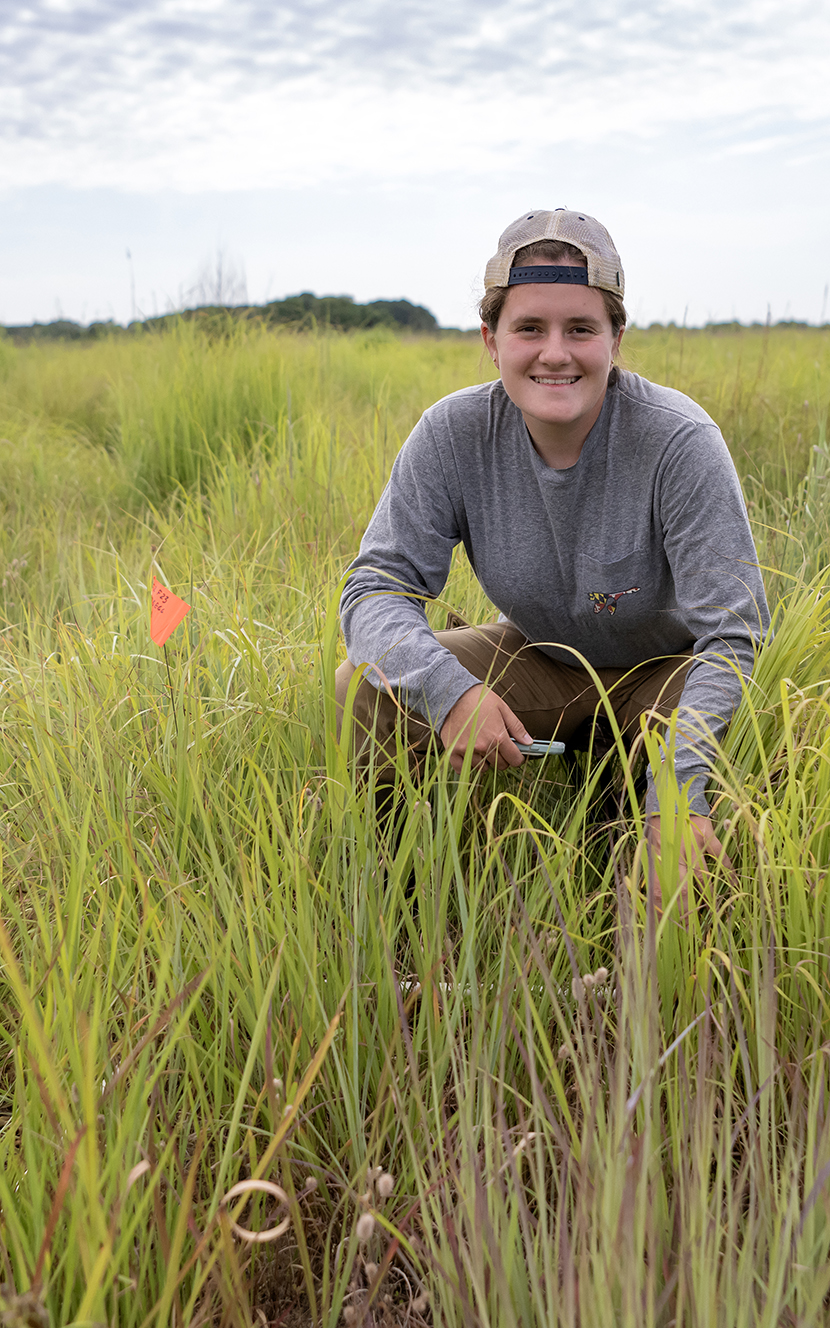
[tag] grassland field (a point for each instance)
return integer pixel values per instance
(223, 1007)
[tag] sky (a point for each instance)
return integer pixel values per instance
(377, 148)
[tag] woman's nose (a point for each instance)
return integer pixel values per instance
(554, 350)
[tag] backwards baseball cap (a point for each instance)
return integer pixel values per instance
(583, 232)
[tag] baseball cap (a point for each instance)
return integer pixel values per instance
(577, 228)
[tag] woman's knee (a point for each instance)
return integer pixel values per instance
(377, 720)
(342, 678)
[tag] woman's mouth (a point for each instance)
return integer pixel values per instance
(554, 382)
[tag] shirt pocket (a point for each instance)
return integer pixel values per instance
(623, 594)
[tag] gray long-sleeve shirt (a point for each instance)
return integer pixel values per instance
(653, 507)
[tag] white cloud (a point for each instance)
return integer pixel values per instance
(166, 93)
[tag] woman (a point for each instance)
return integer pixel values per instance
(601, 513)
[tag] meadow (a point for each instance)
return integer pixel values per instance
(261, 1065)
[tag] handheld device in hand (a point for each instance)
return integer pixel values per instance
(541, 747)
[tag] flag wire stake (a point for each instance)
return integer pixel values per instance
(170, 686)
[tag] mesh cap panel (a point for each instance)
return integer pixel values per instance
(577, 228)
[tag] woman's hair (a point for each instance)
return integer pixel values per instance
(552, 251)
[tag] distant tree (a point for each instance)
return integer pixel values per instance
(62, 329)
(216, 301)
(340, 311)
(405, 314)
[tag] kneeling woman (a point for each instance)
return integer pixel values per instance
(602, 515)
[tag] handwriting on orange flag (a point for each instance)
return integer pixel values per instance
(166, 612)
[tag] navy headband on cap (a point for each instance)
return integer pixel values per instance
(565, 276)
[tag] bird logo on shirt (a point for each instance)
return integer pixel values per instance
(602, 600)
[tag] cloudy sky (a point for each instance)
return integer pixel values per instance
(378, 147)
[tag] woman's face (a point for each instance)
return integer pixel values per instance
(554, 346)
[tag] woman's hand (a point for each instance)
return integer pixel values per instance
(705, 844)
(481, 720)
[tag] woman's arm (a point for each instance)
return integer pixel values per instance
(719, 591)
(404, 560)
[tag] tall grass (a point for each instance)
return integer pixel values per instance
(217, 967)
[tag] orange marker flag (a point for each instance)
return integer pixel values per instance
(166, 612)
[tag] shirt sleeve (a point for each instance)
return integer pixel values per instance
(404, 560)
(720, 593)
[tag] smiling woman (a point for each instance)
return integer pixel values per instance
(602, 515)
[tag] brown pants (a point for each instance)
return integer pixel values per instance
(551, 699)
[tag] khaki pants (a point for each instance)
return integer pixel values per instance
(551, 699)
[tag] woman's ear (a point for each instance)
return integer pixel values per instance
(490, 342)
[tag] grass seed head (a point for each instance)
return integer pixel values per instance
(365, 1227)
(386, 1184)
